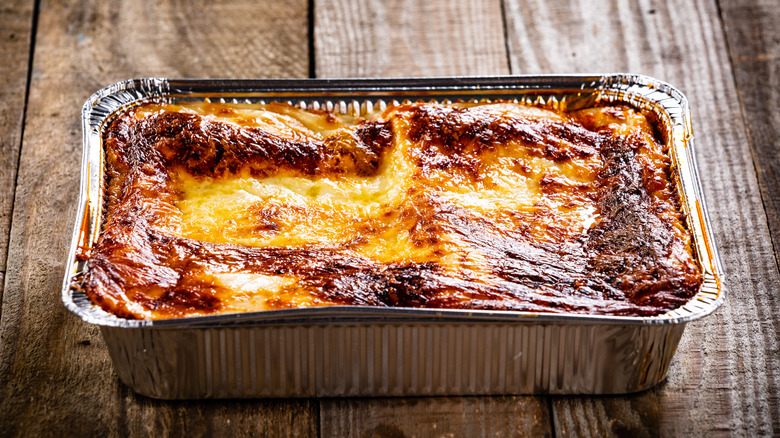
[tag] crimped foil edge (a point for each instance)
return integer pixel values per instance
(637, 89)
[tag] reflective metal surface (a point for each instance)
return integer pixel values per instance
(391, 359)
(344, 351)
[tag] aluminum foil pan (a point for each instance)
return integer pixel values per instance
(364, 351)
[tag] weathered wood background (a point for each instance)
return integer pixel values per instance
(55, 375)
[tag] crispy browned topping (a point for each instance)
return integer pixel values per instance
(594, 226)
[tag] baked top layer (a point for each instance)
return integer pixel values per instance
(219, 208)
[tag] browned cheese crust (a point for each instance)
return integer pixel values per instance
(472, 206)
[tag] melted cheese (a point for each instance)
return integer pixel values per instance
(294, 211)
(365, 213)
(422, 204)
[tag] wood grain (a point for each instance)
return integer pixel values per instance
(56, 378)
(375, 38)
(440, 416)
(754, 46)
(725, 374)
(16, 20)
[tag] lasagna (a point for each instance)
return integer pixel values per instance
(214, 208)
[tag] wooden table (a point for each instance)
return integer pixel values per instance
(55, 374)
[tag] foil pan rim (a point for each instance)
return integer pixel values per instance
(633, 88)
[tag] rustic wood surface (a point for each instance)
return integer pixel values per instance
(406, 38)
(55, 375)
(754, 48)
(16, 21)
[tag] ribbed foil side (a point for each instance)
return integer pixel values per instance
(391, 359)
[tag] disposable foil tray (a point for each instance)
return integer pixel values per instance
(372, 351)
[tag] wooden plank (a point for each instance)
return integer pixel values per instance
(725, 374)
(405, 38)
(439, 416)
(56, 378)
(356, 38)
(754, 46)
(16, 20)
